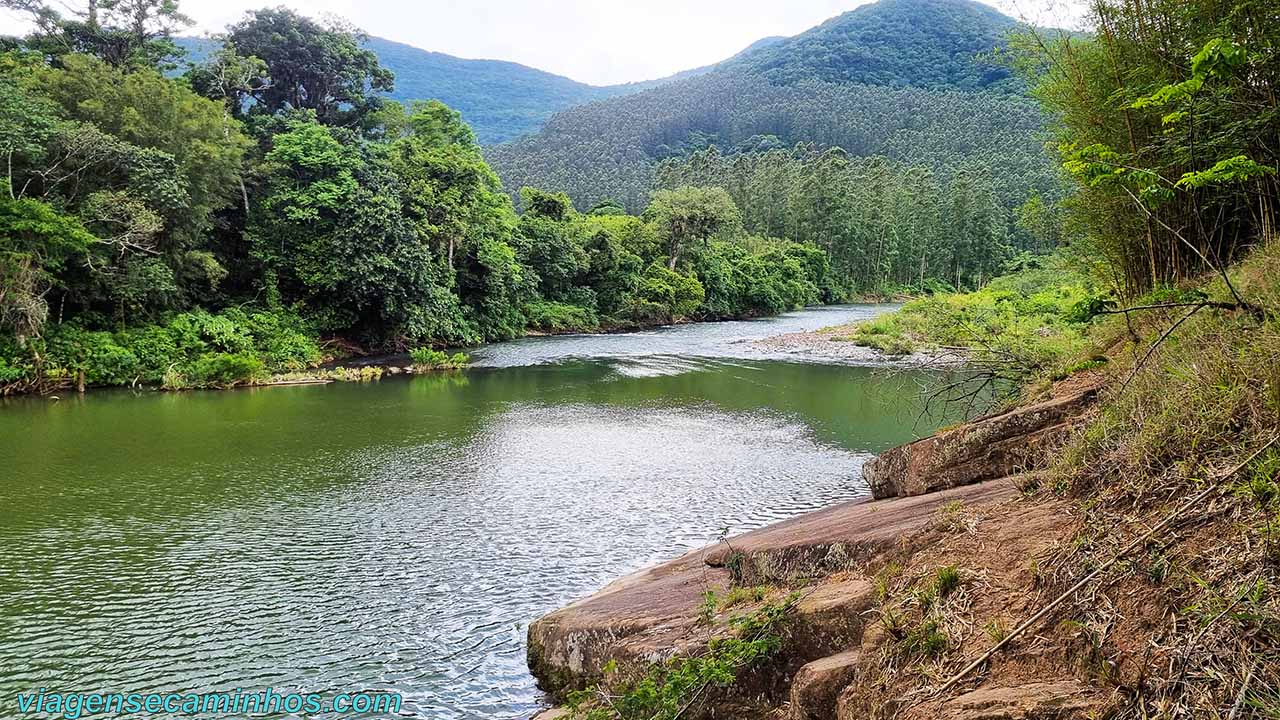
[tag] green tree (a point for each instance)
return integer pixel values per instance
(547, 244)
(122, 33)
(36, 242)
(1166, 117)
(451, 192)
(191, 154)
(691, 215)
(321, 68)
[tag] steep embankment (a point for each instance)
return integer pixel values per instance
(1106, 549)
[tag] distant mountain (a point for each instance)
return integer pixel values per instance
(892, 43)
(500, 100)
(901, 78)
(695, 72)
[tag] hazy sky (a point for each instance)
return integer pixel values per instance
(594, 41)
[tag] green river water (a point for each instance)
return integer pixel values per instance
(401, 535)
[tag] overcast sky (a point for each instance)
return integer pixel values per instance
(594, 41)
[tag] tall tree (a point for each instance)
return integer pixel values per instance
(322, 68)
(124, 33)
(1167, 119)
(689, 215)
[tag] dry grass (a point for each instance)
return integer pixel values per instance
(1204, 641)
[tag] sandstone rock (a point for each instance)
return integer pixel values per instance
(830, 617)
(552, 714)
(839, 537)
(656, 613)
(991, 447)
(816, 686)
(1058, 700)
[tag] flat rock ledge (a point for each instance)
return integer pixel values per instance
(656, 613)
(834, 639)
(995, 446)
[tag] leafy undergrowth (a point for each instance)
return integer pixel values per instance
(192, 350)
(676, 688)
(425, 358)
(1028, 322)
(557, 317)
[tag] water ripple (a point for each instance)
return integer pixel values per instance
(398, 536)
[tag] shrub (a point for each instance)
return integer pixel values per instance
(284, 342)
(678, 294)
(11, 370)
(71, 350)
(223, 370)
(175, 354)
(425, 358)
(1028, 323)
(154, 348)
(560, 317)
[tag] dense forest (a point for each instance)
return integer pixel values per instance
(884, 224)
(893, 43)
(917, 81)
(499, 100)
(210, 228)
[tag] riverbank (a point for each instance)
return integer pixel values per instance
(450, 484)
(198, 354)
(861, 575)
(835, 344)
(1103, 549)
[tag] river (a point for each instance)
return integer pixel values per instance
(400, 535)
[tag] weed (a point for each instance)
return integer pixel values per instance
(425, 358)
(742, 596)
(884, 580)
(925, 640)
(954, 517)
(667, 689)
(996, 630)
(707, 610)
(947, 581)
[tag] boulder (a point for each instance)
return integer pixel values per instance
(816, 686)
(992, 447)
(839, 537)
(1057, 700)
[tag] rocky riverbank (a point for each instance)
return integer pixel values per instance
(833, 344)
(869, 627)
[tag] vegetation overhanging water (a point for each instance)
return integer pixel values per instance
(400, 535)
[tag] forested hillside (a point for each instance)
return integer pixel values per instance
(271, 207)
(884, 224)
(899, 78)
(500, 100)
(917, 43)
